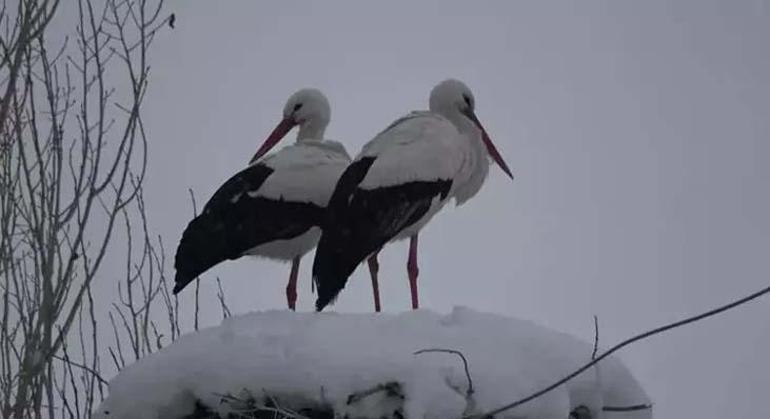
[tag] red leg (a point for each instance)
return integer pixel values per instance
(411, 267)
(291, 288)
(374, 269)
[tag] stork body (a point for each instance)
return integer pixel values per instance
(274, 207)
(398, 182)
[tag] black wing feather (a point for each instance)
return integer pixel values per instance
(232, 222)
(359, 222)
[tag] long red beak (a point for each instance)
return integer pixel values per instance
(491, 149)
(279, 132)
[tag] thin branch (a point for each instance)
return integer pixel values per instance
(197, 279)
(470, 390)
(390, 388)
(627, 408)
(246, 406)
(596, 337)
(87, 369)
(623, 344)
(222, 303)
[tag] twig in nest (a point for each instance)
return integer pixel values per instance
(470, 390)
(580, 412)
(470, 402)
(622, 345)
(247, 406)
(608, 408)
(627, 408)
(282, 410)
(392, 389)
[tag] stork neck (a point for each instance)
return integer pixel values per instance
(311, 130)
(478, 162)
(459, 120)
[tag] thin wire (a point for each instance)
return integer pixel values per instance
(620, 346)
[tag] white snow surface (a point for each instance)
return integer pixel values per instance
(328, 356)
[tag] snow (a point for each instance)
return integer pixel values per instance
(326, 357)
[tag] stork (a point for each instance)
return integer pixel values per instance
(401, 179)
(272, 208)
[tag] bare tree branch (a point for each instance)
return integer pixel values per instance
(68, 169)
(90, 370)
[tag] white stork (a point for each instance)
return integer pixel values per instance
(274, 207)
(398, 182)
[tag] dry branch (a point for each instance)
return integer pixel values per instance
(469, 392)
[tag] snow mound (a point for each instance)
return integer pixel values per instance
(325, 358)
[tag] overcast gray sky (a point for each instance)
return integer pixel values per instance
(638, 132)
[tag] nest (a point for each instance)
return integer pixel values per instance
(384, 401)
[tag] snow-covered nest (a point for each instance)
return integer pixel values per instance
(287, 359)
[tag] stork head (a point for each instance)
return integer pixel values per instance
(307, 108)
(453, 99)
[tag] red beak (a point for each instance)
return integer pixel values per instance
(491, 149)
(279, 132)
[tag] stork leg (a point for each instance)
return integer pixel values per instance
(413, 270)
(291, 288)
(374, 269)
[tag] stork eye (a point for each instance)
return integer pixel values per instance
(468, 101)
(297, 107)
